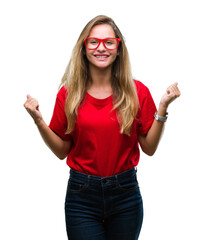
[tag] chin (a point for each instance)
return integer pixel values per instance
(102, 67)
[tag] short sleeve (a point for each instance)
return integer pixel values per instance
(147, 109)
(58, 123)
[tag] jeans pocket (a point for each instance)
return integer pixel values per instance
(75, 185)
(129, 183)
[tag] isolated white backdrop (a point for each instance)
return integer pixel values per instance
(165, 43)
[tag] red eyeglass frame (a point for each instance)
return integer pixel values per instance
(103, 41)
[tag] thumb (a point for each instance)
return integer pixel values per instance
(28, 97)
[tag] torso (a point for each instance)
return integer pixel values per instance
(98, 146)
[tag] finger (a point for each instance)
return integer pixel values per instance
(173, 89)
(31, 104)
(28, 101)
(169, 90)
(31, 100)
(34, 104)
(179, 93)
(176, 90)
(28, 97)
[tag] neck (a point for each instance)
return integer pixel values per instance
(100, 77)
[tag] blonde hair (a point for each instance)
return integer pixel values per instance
(76, 78)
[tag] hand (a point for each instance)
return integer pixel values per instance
(171, 94)
(32, 107)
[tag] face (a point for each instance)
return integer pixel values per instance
(101, 57)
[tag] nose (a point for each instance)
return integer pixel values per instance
(101, 47)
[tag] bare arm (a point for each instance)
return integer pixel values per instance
(58, 146)
(149, 142)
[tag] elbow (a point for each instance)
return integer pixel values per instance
(146, 146)
(150, 152)
(64, 152)
(62, 156)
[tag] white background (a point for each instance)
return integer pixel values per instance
(165, 42)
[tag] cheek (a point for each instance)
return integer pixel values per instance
(89, 54)
(115, 55)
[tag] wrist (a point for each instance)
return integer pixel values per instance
(162, 110)
(160, 118)
(39, 122)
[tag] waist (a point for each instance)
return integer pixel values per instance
(98, 180)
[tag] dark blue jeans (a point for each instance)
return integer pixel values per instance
(98, 208)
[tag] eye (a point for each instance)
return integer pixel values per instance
(109, 42)
(93, 41)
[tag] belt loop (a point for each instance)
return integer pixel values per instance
(89, 178)
(116, 177)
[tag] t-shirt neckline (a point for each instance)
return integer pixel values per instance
(99, 101)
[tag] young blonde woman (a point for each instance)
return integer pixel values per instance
(100, 118)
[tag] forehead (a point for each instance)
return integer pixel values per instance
(102, 31)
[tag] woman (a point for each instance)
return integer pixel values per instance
(101, 116)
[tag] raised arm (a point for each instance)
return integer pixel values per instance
(150, 141)
(58, 146)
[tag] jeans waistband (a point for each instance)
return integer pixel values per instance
(97, 179)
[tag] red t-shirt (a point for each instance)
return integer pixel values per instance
(98, 146)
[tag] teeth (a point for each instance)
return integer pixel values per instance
(101, 56)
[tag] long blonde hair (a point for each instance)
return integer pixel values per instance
(76, 77)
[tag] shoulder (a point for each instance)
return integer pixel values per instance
(142, 90)
(62, 93)
(61, 97)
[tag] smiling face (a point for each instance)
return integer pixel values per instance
(101, 57)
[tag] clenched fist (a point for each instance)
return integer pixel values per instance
(171, 94)
(32, 107)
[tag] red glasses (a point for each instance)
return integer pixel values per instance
(108, 43)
